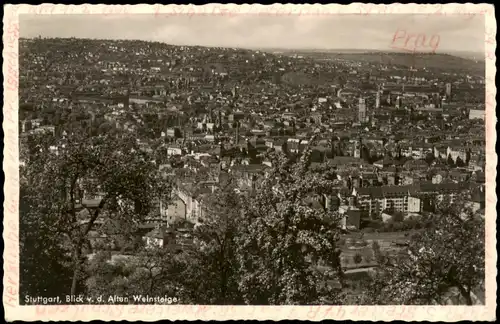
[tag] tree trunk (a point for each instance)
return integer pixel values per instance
(76, 271)
(151, 284)
(74, 283)
(468, 299)
(222, 297)
(465, 294)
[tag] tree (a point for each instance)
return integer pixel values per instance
(437, 261)
(283, 236)
(105, 127)
(429, 158)
(216, 280)
(376, 249)
(118, 172)
(204, 274)
(42, 254)
(460, 163)
(468, 155)
(398, 217)
(450, 161)
(151, 272)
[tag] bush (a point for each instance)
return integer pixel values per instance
(398, 217)
(368, 230)
(357, 258)
(372, 224)
(398, 227)
(377, 217)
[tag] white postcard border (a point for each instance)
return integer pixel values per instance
(191, 312)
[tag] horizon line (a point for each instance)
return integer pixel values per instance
(254, 48)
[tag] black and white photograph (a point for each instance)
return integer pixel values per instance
(252, 159)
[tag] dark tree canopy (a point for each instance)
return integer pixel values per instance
(437, 263)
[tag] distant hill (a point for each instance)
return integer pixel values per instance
(442, 62)
(475, 56)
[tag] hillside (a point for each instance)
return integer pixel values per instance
(442, 62)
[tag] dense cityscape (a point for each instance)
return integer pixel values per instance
(154, 173)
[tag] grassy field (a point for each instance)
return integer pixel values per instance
(355, 244)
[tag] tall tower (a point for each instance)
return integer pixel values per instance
(377, 100)
(237, 135)
(448, 91)
(362, 110)
(437, 100)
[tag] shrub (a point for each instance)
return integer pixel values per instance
(377, 217)
(398, 227)
(397, 217)
(372, 224)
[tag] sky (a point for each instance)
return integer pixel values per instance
(371, 32)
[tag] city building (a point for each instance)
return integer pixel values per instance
(362, 115)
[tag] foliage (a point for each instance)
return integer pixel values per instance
(216, 279)
(450, 255)
(41, 251)
(368, 230)
(283, 236)
(152, 272)
(376, 248)
(429, 158)
(117, 171)
(397, 217)
(450, 161)
(460, 163)
(276, 245)
(204, 274)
